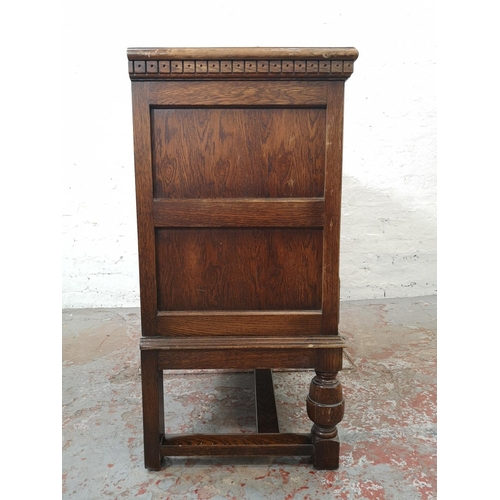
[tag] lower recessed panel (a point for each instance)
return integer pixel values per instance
(239, 269)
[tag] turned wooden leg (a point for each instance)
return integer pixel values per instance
(152, 408)
(325, 408)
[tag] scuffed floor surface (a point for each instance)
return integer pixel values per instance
(388, 435)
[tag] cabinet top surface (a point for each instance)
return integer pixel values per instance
(213, 53)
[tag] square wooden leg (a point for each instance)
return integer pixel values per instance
(326, 455)
(265, 402)
(152, 408)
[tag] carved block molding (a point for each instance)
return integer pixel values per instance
(147, 64)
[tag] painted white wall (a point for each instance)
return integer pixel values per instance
(389, 200)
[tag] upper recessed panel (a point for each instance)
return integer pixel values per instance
(238, 152)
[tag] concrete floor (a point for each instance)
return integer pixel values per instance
(388, 435)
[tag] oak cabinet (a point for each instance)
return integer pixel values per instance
(238, 165)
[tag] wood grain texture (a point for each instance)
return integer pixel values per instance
(319, 343)
(238, 162)
(245, 323)
(237, 445)
(238, 269)
(244, 63)
(152, 408)
(329, 360)
(237, 359)
(231, 70)
(333, 188)
(325, 407)
(271, 212)
(144, 192)
(221, 153)
(237, 93)
(230, 53)
(326, 455)
(240, 352)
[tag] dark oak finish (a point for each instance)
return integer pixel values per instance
(322, 342)
(238, 162)
(333, 186)
(265, 402)
(239, 269)
(243, 63)
(237, 444)
(238, 93)
(193, 323)
(229, 212)
(263, 352)
(325, 407)
(220, 153)
(152, 406)
(144, 200)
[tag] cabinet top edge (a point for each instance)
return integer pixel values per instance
(229, 53)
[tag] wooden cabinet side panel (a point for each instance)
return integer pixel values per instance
(333, 186)
(144, 200)
(330, 150)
